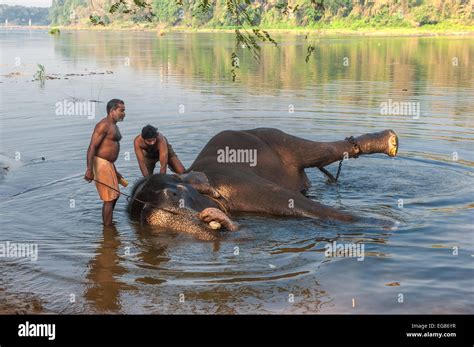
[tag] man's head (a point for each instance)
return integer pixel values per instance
(116, 109)
(149, 134)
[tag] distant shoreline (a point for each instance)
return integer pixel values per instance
(300, 31)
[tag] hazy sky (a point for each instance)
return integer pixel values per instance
(37, 3)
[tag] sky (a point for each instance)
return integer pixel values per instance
(37, 3)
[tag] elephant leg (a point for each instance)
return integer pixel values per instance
(254, 194)
(264, 197)
(305, 153)
(305, 207)
(320, 154)
(285, 202)
(251, 193)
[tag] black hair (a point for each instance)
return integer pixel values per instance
(149, 132)
(113, 104)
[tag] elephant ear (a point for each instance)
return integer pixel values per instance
(199, 181)
(194, 177)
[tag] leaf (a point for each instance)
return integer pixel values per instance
(235, 65)
(140, 3)
(204, 6)
(114, 7)
(269, 38)
(96, 20)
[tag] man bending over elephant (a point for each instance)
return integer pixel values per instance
(151, 147)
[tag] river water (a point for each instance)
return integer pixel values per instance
(181, 82)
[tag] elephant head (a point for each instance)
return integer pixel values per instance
(183, 203)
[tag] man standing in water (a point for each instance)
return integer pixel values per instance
(101, 155)
(151, 147)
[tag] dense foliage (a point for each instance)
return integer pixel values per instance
(263, 13)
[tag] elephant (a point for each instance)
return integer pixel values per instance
(259, 171)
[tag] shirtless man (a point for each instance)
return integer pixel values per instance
(151, 147)
(102, 153)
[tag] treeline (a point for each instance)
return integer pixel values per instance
(21, 15)
(265, 13)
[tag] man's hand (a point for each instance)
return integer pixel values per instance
(89, 175)
(163, 169)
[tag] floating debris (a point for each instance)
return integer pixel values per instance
(54, 31)
(41, 75)
(89, 73)
(12, 74)
(393, 284)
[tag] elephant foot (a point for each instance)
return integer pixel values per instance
(382, 142)
(216, 218)
(392, 147)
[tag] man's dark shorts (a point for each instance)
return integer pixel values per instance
(150, 162)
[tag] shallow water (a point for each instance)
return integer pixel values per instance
(182, 84)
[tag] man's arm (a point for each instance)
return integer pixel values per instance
(163, 147)
(140, 157)
(100, 131)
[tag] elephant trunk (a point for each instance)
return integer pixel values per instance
(184, 221)
(203, 225)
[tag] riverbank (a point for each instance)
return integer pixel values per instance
(431, 30)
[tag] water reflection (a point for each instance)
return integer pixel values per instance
(402, 61)
(105, 270)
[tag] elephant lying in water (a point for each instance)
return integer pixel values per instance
(255, 171)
